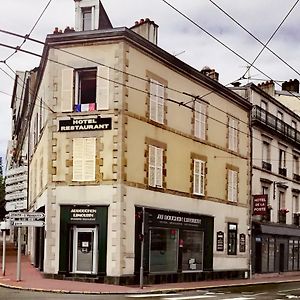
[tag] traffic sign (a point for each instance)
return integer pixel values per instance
(27, 223)
(26, 215)
(16, 205)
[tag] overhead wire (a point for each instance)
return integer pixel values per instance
(30, 32)
(174, 101)
(254, 37)
(222, 43)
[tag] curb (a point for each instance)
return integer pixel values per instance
(143, 291)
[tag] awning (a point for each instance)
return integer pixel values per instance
(279, 230)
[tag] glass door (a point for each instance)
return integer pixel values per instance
(85, 245)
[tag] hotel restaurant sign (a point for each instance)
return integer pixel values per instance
(96, 123)
(260, 204)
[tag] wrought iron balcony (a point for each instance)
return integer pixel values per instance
(296, 219)
(296, 177)
(282, 171)
(266, 166)
(270, 121)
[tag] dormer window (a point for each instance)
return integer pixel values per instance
(87, 18)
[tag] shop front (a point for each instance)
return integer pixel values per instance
(83, 240)
(276, 248)
(175, 243)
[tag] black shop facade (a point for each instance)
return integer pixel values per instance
(177, 245)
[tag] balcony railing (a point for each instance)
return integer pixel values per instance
(266, 166)
(296, 219)
(296, 177)
(282, 171)
(281, 217)
(272, 122)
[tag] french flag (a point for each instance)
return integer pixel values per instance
(85, 107)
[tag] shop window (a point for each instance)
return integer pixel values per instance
(155, 172)
(291, 255)
(157, 101)
(192, 250)
(232, 239)
(232, 188)
(200, 120)
(233, 134)
(199, 177)
(84, 155)
(163, 256)
(271, 255)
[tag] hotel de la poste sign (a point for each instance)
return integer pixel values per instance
(96, 123)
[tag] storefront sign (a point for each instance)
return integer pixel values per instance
(85, 124)
(174, 219)
(242, 242)
(260, 204)
(220, 241)
(83, 214)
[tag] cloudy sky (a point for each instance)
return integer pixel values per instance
(177, 35)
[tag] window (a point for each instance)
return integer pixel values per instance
(192, 250)
(282, 162)
(266, 156)
(280, 123)
(200, 120)
(295, 204)
(157, 95)
(232, 239)
(281, 200)
(87, 18)
(232, 185)
(265, 190)
(295, 164)
(155, 173)
(86, 86)
(294, 124)
(233, 134)
(84, 154)
(163, 250)
(199, 177)
(264, 109)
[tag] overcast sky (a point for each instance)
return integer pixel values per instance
(176, 35)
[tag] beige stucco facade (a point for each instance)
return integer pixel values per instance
(122, 153)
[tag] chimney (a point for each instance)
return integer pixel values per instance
(291, 86)
(207, 71)
(147, 29)
(268, 87)
(90, 15)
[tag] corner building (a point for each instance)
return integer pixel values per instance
(127, 151)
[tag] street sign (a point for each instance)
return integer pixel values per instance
(26, 215)
(16, 205)
(28, 223)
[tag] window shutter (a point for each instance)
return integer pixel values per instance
(103, 88)
(232, 186)
(199, 177)
(66, 103)
(196, 177)
(159, 167)
(78, 153)
(84, 155)
(151, 172)
(153, 99)
(160, 103)
(89, 159)
(200, 120)
(233, 134)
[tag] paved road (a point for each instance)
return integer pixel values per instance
(267, 292)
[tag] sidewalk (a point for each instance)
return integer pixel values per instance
(32, 279)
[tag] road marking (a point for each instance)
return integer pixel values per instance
(150, 295)
(191, 297)
(290, 290)
(239, 298)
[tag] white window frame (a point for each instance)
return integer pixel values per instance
(233, 134)
(200, 120)
(84, 159)
(199, 177)
(157, 101)
(232, 186)
(155, 170)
